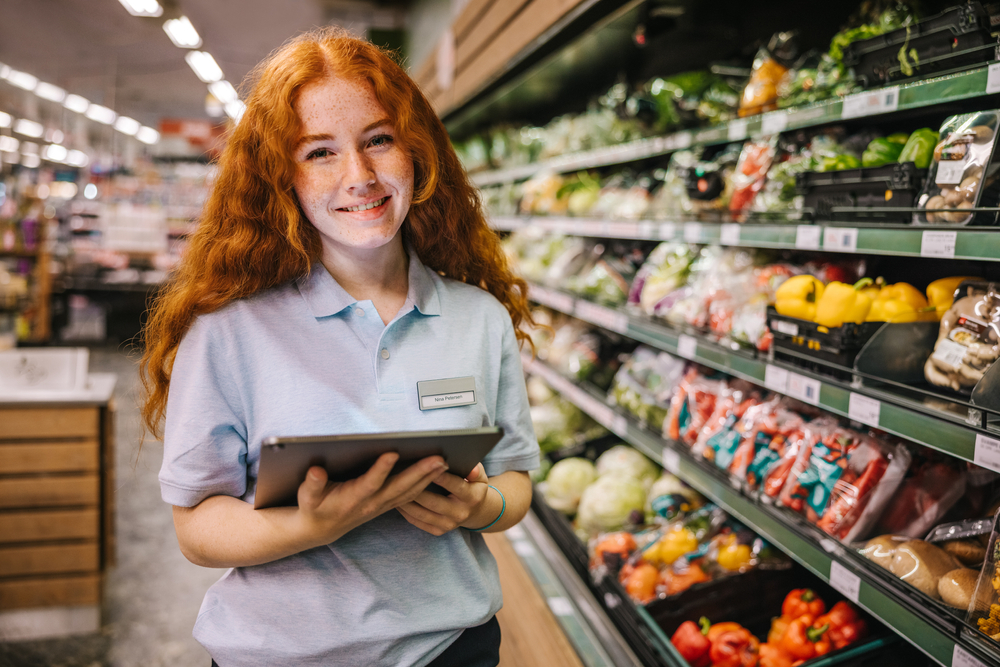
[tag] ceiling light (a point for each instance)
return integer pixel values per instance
(182, 33)
(30, 161)
(76, 103)
(235, 110)
(55, 152)
(142, 7)
(22, 79)
(28, 128)
(54, 136)
(127, 125)
(4, 71)
(223, 91)
(204, 66)
(5, 119)
(90, 191)
(147, 135)
(9, 144)
(101, 114)
(77, 159)
(49, 92)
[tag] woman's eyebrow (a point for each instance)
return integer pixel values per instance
(329, 137)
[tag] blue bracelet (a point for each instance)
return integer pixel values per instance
(502, 508)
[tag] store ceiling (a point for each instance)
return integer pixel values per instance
(96, 49)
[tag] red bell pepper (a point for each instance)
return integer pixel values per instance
(802, 601)
(735, 648)
(691, 642)
(804, 642)
(772, 655)
(845, 625)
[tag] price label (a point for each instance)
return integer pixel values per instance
(687, 346)
(845, 581)
(864, 409)
(647, 230)
(589, 227)
(775, 378)
(949, 172)
(737, 129)
(601, 316)
(787, 328)
(938, 244)
(623, 230)
(560, 606)
(692, 232)
(671, 461)
(774, 122)
(962, 658)
(993, 79)
(987, 452)
(869, 104)
(803, 388)
(844, 239)
(807, 237)
(729, 234)
(555, 300)
(668, 230)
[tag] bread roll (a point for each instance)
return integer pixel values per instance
(968, 552)
(881, 549)
(921, 565)
(957, 587)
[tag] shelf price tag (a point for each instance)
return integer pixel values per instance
(687, 346)
(692, 232)
(987, 452)
(845, 581)
(737, 129)
(668, 230)
(555, 300)
(601, 316)
(962, 658)
(776, 378)
(729, 234)
(774, 122)
(803, 388)
(938, 244)
(869, 104)
(807, 237)
(864, 409)
(671, 461)
(844, 239)
(993, 79)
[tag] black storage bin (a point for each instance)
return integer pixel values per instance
(957, 38)
(889, 186)
(801, 342)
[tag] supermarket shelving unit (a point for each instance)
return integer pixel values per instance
(958, 429)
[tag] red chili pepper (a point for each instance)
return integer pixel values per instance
(802, 601)
(691, 642)
(735, 648)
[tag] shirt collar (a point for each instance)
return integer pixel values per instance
(324, 296)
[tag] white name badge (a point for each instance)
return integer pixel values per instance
(450, 393)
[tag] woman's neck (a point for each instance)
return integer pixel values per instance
(379, 275)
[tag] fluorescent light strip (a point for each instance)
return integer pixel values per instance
(55, 153)
(182, 33)
(29, 148)
(101, 114)
(28, 128)
(76, 103)
(142, 7)
(235, 110)
(147, 135)
(77, 159)
(5, 119)
(9, 144)
(127, 125)
(223, 91)
(49, 92)
(30, 161)
(204, 66)
(22, 80)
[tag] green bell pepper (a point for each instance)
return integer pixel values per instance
(919, 148)
(881, 151)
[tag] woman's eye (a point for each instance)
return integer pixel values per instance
(381, 140)
(319, 152)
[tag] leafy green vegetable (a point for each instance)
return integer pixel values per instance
(565, 483)
(881, 151)
(919, 148)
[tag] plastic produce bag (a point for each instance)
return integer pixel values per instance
(665, 270)
(645, 383)
(933, 484)
(968, 340)
(691, 406)
(763, 430)
(769, 66)
(750, 174)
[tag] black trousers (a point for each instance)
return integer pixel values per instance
(475, 647)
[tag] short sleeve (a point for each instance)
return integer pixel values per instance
(518, 449)
(205, 442)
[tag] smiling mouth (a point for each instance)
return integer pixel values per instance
(365, 207)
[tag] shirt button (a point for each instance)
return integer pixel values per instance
(360, 312)
(385, 353)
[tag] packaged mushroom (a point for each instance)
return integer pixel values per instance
(968, 339)
(961, 170)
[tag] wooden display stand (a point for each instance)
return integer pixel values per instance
(57, 467)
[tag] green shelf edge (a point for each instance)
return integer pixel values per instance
(915, 95)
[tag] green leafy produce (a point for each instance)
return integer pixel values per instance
(839, 162)
(622, 459)
(881, 151)
(611, 503)
(565, 483)
(895, 17)
(919, 148)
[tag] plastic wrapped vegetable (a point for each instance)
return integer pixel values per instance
(750, 175)
(919, 148)
(611, 503)
(968, 340)
(666, 269)
(884, 150)
(669, 496)
(959, 173)
(769, 67)
(645, 383)
(565, 483)
(624, 460)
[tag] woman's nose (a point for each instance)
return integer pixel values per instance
(360, 172)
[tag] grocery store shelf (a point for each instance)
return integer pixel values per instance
(934, 634)
(941, 241)
(597, 642)
(939, 424)
(918, 94)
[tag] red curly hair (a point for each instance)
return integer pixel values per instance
(253, 235)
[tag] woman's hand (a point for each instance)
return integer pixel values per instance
(468, 504)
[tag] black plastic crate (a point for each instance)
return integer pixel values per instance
(957, 38)
(889, 186)
(805, 341)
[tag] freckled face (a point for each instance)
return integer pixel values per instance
(354, 180)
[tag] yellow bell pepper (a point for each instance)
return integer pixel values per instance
(897, 303)
(733, 556)
(671, 546)
(941, 293)
(797, 297)
(842, 303)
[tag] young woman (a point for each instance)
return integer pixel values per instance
(342, 257)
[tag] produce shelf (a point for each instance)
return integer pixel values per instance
(941, 241)
(936, 635)
(915, 95)
(957, 431)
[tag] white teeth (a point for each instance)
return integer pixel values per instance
(365, 207)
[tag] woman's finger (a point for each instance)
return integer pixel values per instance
(410, 513)
(313, 488)
(374, 478)
(478, 474)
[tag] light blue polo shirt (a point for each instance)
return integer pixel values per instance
(308, 359)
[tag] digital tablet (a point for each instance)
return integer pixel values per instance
(285, 460)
